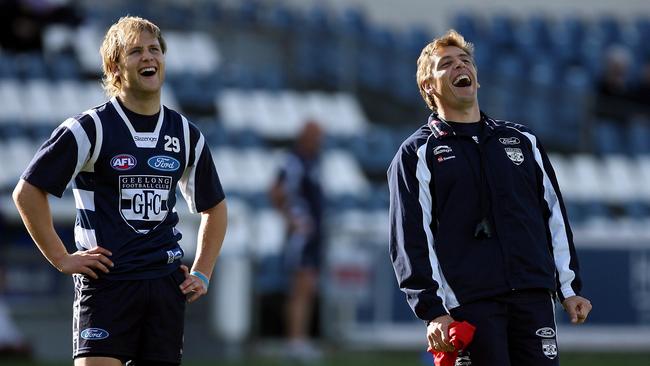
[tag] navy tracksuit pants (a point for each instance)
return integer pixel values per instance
(514, 329)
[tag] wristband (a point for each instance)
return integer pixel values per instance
(202, 277)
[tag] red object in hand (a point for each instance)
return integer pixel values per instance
(461, 334)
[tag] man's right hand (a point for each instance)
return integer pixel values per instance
(85, 262)
(438, 334)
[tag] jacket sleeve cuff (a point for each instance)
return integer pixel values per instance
(433, 313)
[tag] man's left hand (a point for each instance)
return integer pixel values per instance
(193, 287)
(578, 308)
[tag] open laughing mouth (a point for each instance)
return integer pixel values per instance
(462, 81)
(148, 71)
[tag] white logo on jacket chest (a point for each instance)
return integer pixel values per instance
(509, 140)
(442, 149)
(515, 154)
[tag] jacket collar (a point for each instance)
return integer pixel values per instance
(442, 129)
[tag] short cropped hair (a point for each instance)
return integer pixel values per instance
(115, 41)
(425, 61)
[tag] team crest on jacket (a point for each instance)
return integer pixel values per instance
(515, 154)
(549, 347)
(143, 200)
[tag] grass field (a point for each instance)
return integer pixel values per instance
(395, 359)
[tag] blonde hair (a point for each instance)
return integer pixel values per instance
(116, 40)
(425, 61)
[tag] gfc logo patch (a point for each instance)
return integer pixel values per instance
(515, 154)
(143, 200)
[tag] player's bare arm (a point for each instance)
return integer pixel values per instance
(34, 209)
(212, 231)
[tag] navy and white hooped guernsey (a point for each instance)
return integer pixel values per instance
(124, 184)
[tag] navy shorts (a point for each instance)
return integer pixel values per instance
(303, 251)
(129, 319)
(515, 329)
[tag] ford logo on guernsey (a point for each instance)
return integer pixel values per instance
(94, 334)
(123, 162)
(164, 163)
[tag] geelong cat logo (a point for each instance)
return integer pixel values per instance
(164, 163)
(123, 162)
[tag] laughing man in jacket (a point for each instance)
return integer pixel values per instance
(478, 228)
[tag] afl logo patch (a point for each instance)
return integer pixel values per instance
(164, 163)
(123, 162)
(94, 334)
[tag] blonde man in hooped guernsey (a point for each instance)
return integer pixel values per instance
(124, 160)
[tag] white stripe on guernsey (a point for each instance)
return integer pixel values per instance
(559, 239)
(99, 138)
(188, 181)
(186, 136)
(83, 143)
(85, 237)
(148, 139)
(84, 200)
(423, 174)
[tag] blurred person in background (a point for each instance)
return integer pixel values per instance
(614, 98)
(478, 229)
(22, 22)
(297, 194)
(124, 160)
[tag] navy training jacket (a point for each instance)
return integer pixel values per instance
(435, 205)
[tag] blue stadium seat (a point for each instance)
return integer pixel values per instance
(608, 30)
(279, 16)
(594, 209)
(575, 211)
(31, 66)
(502, 30)
(352, 23)
(507, 90)
(638, 136)
(64, 67)
(608, 138)
(572, 107)
(247, 12)
(376, 149)
(637, 210)
(8, 67)
(468, 24)
(540, 98)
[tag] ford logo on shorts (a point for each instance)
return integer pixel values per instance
(92, 334)
(164, 163)
(545, 332)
